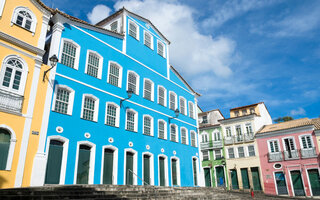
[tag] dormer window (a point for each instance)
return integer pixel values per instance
(252, 110)
(236, 113)
(148, 40)
(134, 30)
(160, 50)
(24, 18)
(244, 112)
(205, 119)
(114, 26)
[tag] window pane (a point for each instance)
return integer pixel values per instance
(88, 108)
(183, 136)
(191, 110)
(147, 90)
(161, 130)
(16, 81)
(173, 133)
(28, 24)
(93, 65)
(251, 151)
(160, 49)
(7, 77)
(241, 152)
(172, 101)
(132, 30)
(147, 126)
(231, 153)
(182, 106)
(147, 40)
(19, 20)
(193, 139)
(111, 115)
(114, 74)
(161, 96)
(130, 121)
(114, 26)
(62, 101)
(68, 54)
(132, 82)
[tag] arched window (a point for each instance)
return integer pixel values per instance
(94, 64)
(148, 89)
(115, 74)
(184, 136)
(69, 56)
(147, 125)
(133, 82)
(162, 129)
(173, 100)
(64, 97)
(90, 107)
(134, 30)
(191, 110)
(183, 108)
(24, 18)
(162, 96)
(4, 147)
(173, 133)
(131, 120)
(13, 75)
(193, 139)
(112, 114)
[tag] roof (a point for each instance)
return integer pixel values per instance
(316, 123)
(287, 125)
(246, 106)
(184, 81)
(44, 6)
(136, 15)
(208, 125)
(200, 108)
(239, 117)
(204, 113)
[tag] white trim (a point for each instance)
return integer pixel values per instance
(70, 100)
(165, 129)
(177, 133)
(254, 149)
(96, 106)
(135, 119)
(165, 95)
(197, 170)
(117, 113)
(24, 73)
(2, 2)
(33, 16)
(304, 135)
(164, 49)
(13, 140)
(151, 39)
(271, 140)
(187, 138)
(121, 98)
(175, 100)
(77, 56)
(151, 167)
(151, 124)
(195, 137)
(214, 153)
(152, 88)
(115, 164)
(193, 108)
(178, 170)
(100, 63)
(92, 161)
(227, 153)
(275, 181)
(64, 156)
(308, 178)
(166, 176)
(135, 166)
(205, 150)
(137, 81)
(137, 29)
(185, 112)
(205, 135)
(120, 73)
(291, 184)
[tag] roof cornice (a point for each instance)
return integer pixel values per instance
(309, 127)
(238, 119)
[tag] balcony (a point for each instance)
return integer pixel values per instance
(211, 145)
(205, 145)
(308, 153)
(248, 137)
(276, 156)
(217, 144)
(291, 155)
(228, 140)
(238, 139)
(10, 102)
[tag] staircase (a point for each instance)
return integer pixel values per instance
(119, 192)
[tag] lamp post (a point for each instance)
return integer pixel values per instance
(53, 62)
(129, 93)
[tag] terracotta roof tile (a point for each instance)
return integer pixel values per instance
(316, 123)
(286, 125)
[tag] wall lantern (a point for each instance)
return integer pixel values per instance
(53, 62)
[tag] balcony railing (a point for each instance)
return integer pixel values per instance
(10, 102)
(291, 155)
(308, 153)
(205, 145)
(248, 137)
(239, 138)
(211, 145)
(276, 156)
(228, 140)
(217, 144)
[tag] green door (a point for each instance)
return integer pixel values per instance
(281, 183)
(108, 166)
(314, 180)
(129, 168)
(245, 178)
(256, 179)
(220, 177)
(162, 171)
(174, 172)
(83, 164)
(195, 176)
(54, 162)
(146, 169)
(207, 177)
(297, 183)
(234, 179)
(4, 148)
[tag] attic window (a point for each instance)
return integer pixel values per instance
(160, 49)
(114, 26)
(133, 30)
(204, 119)
(252, 110)
(236, 113)
(148, 40)
(244, 112)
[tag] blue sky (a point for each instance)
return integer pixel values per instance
(235, 52)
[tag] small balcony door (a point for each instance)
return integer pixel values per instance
(108, 167)
(54, 162)
(297, 183)
(129, 168)
(234, 179)
(207, 177)
(146, 169)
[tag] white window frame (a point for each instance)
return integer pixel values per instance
(135, 165)
(269, 148)
(117, 113)
(185, 105)
(205, 135)
(195, 138)
(216, 134)
(152, 88)
(301, 144)
(71, 98)
(120, 73)
(249, 125)
(77, 56)
(175, 100)
(137, 28)
(254, 150)
(15, 15)
(24, 74)
(151, 124)
(165, 95)
(118, 23)
(294, 143)
(91, 164)
(151, 168)
(178, 170)
(13, 141)
(165, 169)
(115, 164)
(144, 39)
(96, 106)
(192, 104)
(205, 150)
(187, 138)
(228, 128)
(137, 83)
(234, 153)
(215, 155)
(135, 119)
(177, 133)
(100, 63)
(244, 153)
(164, 49)
(165, 129)
(2, 2)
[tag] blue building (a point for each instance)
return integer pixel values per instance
(116, 111)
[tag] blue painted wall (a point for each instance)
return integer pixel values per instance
(75, 127)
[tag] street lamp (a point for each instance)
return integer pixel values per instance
(129, 93)
(53, 62)
(176, 113)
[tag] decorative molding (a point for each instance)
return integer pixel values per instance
(305, 128)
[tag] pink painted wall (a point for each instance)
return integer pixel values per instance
(304, 164)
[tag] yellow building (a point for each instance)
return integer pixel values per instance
(23, 29)
(242, 156)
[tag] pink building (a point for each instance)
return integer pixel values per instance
(289, 157)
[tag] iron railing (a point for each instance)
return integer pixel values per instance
(276, 156)
(291, 155)
(247, 137)
(308, 153)
(10, 101)
(129, 170)
(211, 145)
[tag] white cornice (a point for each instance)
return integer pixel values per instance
(286, 131)
(237, 119)
(41, 8)
(21, 44)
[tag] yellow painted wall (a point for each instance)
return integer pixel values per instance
(17, 31)
(256, 109)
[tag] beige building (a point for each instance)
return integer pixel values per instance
(242, 157)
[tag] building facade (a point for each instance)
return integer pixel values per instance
(212, 149)
(289, 157)
(242, 156)
(118, 112)
(23, 29)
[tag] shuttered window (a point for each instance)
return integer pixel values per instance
(147, 93)
(173, 133)
(183, 136)
(68, 54)
(191, 112)
(172, 101)
(161, 129)
(111, 115)
(193, 138)
(114, 74)
(130, 121)
(306, 142)
(133, 30)
(93, 65)
(147, 125)
(88, 108)
(161, 96)
(132, 82)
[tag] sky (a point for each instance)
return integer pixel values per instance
(234, 52)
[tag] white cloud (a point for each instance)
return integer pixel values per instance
(299, 111)
(98, 13)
